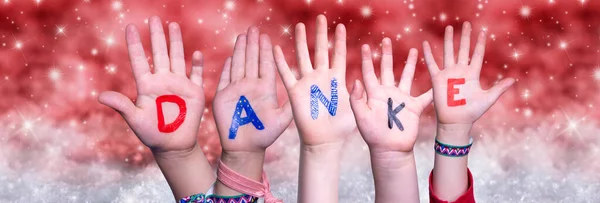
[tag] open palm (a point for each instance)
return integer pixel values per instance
(319, 125)
(458, 96)
(169, 78)
(250, 73)
(371, 108)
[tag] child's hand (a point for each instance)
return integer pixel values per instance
(459, 102)
(458, 96)
(245, 105)
(382, 127)
(168, 109)
(320, 98)
(321, 110)
(169, 78)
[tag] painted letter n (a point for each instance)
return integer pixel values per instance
(317, 96)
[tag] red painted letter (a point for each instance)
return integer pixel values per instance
(453, 91)
(161, 119)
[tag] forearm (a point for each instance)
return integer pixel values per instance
(395, 176)
(247, 164)
(450, 179)
(319, 172)
(187, 172)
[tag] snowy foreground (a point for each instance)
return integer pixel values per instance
(527, 165)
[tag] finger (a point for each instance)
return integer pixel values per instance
(285, 114)
(288, 78)
(465, 44)
(431, 65)
(238, 61)
(197, 68)
(160, 57)
(321, 48)
(252, 54)
(225, 75)
(339, 54)
(387, 63)
(477, 59)
(449, 47)
(119, 103)
(497, 90)
(137, 57)
(358, 102)
(409, 71)
(368, 71)
(302, 54)
(176, 53)
(426, 98)
(267, 62)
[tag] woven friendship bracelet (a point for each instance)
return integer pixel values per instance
(202, 198)
(451, 150)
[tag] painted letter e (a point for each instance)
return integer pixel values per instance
(453, 91)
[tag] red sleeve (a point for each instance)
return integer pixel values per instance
(466, 197)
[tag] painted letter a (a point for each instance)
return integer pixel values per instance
(237, 120)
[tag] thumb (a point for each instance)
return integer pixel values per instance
(118, 102)
(285, 114)
(497, 90)
(426, 98)
(358, 100)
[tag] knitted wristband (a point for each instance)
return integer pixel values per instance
(451, 150)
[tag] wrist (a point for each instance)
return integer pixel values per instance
(321, 157)
(182, 156)
(319, 172)
(322, 150)
(247, 163)
(454, 134)
(394, 175)
(391, 160)
(187, 171)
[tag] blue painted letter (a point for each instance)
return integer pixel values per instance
(316, 95)
(238, 121)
